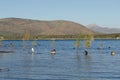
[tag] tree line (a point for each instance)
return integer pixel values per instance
(77, 36)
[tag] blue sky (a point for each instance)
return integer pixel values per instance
(105, 13)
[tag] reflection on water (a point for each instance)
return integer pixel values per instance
(67, 64)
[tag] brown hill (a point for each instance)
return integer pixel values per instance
(37, 27)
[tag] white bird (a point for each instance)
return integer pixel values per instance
(112, 53)
(33, 50)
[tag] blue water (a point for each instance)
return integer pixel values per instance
(69, 63)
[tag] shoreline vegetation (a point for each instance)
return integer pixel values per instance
(60, 37)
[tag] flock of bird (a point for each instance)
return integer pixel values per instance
(53, 52)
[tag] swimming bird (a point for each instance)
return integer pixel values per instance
(53, 51)
(112, 53)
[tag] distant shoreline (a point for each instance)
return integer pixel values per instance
(60, 39)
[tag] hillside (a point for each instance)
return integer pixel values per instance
(37, 27)
(104, 30)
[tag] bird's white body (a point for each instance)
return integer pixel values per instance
(112, 53)
(53, 51)
(33, 50)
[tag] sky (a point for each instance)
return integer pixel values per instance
(105, 13)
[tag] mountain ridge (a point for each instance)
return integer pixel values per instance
(104, 30)
(40, 27)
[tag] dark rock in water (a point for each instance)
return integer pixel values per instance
(39, 53)
(4, 69)
(73, 48)
(6, 51)
(109, 47)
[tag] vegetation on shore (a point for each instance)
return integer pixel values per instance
(47, 37)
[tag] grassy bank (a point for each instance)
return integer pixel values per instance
(62, 37)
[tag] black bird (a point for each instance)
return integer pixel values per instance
(86, 52)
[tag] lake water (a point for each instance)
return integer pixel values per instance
(68, 63)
